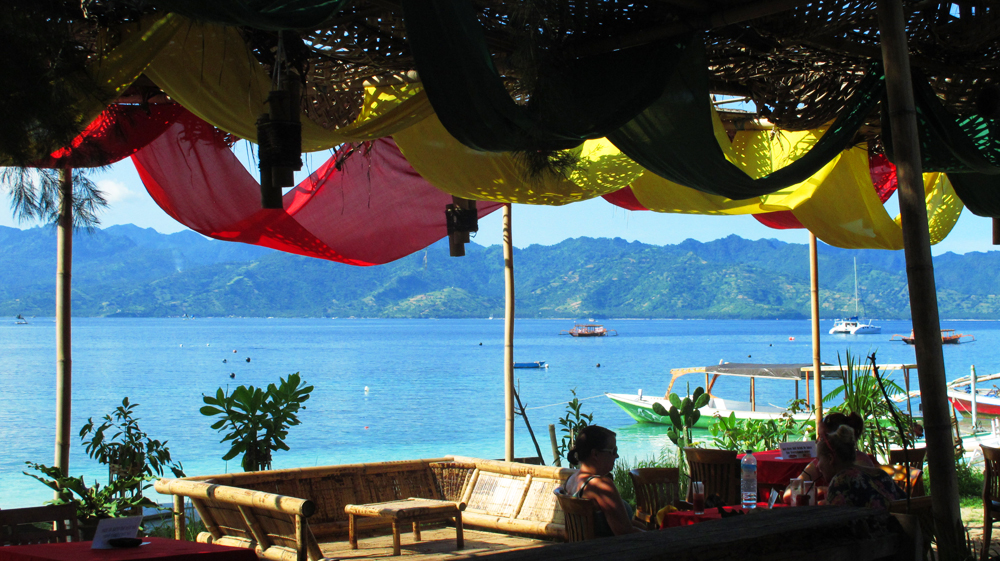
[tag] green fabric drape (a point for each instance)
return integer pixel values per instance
(966, 148)
(273, 15)
(673, 137)
(572, 101)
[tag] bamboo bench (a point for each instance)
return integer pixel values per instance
(285, 514)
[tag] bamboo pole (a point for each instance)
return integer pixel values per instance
(920, 281)
(64, 358)
(180, 522)
(555, 446)
(508, 336)
(814, 298)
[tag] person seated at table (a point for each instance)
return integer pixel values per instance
(850, 483)
(811, 471)
(595, 451)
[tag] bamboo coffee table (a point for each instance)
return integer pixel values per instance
(409, 510)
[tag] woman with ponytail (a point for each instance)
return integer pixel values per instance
(811, 471)
(851, 484)
(595, 451)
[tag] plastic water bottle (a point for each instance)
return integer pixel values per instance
(748, 481)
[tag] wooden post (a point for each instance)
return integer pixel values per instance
(753, 395)
(508, 336)
(64, 359)
(814, 296)
(920, 281)
(555, 446)
(302, 539)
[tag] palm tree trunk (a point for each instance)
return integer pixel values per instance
(64, 362)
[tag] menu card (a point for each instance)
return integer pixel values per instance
(797, 450)
(111, 528)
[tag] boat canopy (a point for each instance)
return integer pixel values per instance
(751, 370)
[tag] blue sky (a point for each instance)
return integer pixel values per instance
(129, 203)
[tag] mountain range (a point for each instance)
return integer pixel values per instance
(130, 271)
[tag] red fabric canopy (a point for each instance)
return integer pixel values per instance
(373, 210)
(882, 172)
(117, 133)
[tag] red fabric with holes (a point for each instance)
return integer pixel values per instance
(374, 210)
(117, 133)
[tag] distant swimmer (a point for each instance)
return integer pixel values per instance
(234, 350)
(598, 364)
(480, 344)
(225, 360)
(232, 375)
(248, 359)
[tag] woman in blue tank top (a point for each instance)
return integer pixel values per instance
(595, 451)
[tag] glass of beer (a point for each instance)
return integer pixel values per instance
(698, 497)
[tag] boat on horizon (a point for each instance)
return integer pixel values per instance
(948, 337)
(19, 320)
(853, 325)
(536, 364)
(589, 330)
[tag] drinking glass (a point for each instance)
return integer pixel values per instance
(795, 489)
(698, 497)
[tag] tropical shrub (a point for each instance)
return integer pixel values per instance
(114, 500)
(623, 481)
(730, 433)
(862, 395)
(257, 420)
(128, 448)
(572, 421)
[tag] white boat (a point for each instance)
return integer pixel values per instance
(19, 320)
(640, 407)
(852, 325)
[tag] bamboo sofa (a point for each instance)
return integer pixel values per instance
(285, 514)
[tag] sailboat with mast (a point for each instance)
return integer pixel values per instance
(853, 325)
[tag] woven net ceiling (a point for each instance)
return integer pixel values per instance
(798, 65)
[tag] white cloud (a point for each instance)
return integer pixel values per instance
(115, 191)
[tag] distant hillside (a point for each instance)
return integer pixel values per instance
(126, 270)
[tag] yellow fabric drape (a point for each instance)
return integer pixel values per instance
(499, 176)
(838, 203)
(210, 71)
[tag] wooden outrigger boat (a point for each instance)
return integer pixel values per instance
(960, 393)
(588, 330)
(948, 337)
(640, 407)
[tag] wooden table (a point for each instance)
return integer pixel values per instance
(410, 510)
(159, 549)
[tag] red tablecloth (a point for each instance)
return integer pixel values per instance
(774, 472)
(688, 517)
(158, 548)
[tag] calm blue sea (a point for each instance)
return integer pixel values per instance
(434, 386)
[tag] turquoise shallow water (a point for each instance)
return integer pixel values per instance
(433, 389)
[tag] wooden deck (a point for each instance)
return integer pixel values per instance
(438, 543)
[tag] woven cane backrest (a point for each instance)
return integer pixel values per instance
(718, 470)
(914, 455)
(655, 488)
(43, 524)
(579, 516)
